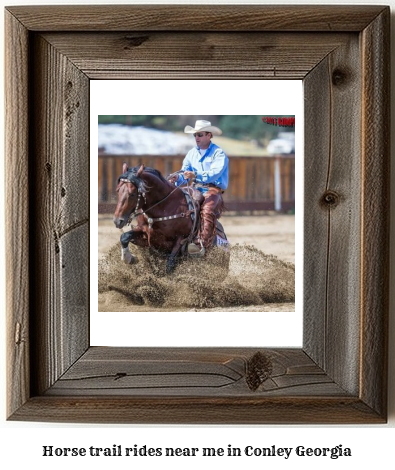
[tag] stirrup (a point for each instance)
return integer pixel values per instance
(195, 251)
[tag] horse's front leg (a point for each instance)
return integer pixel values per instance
(133, 236)
(171, 260)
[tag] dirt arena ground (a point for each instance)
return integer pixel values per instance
(261, 274)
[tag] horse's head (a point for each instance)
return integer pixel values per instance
(129, 186)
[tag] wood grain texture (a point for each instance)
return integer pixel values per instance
(332, 226)
(339, 376)
(17, 213)
(196, 18)
(198, 410)
(60, 192)
(149, 55)
(159, 385)
(375, 212)
(211, 372)
(317, 151)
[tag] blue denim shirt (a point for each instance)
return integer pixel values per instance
(212, 167)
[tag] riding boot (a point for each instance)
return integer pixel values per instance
(206, 235)
(210, 211)
(207, 228)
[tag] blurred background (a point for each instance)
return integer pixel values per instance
(262, 156)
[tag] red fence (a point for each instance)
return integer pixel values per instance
(255, 183)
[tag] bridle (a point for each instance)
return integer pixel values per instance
(140, 211)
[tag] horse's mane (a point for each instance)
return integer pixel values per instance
(154, 172)
(131, 175)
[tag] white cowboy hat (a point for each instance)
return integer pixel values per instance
(203, 126)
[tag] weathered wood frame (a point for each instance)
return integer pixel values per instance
(340, 374)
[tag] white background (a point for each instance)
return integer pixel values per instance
(267, 98)
(21, 443)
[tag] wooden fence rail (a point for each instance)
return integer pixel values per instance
(255, 183)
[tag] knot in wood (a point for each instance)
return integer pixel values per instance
(135, 41)
(259, 369)
(339, 77)
(330, 199)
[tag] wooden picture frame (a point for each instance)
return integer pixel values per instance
(340, 373)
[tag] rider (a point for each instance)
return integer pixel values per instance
(208, 165)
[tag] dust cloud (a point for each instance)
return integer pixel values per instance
(234, 280)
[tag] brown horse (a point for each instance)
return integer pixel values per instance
(165, 219)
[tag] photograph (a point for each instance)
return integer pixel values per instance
(196, 213)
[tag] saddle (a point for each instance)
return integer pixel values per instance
(194, 200)
(194, 194)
